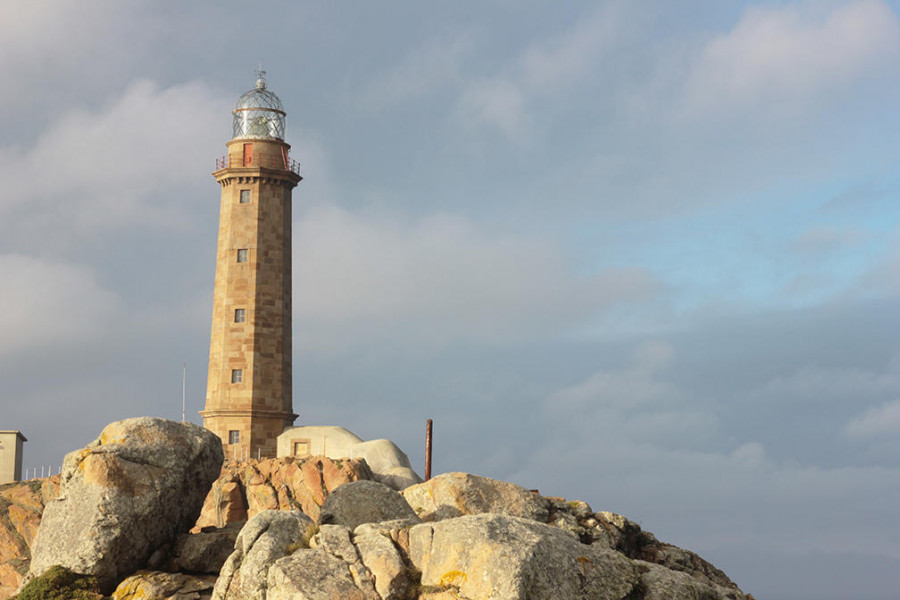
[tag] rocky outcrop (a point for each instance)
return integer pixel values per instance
(458, 536)
(628, 538)
(124, 496)
(482, 539)
(21, 507)
(244, 489)
(361, 502)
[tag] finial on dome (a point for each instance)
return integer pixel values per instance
(261, 81)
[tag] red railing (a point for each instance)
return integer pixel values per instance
(268, 162)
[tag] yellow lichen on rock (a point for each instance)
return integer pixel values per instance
(453, 579)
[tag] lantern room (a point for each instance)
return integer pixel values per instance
(259, 114)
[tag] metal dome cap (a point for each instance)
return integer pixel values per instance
(259, 113)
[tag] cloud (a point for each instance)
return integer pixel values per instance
(634, 403)
(43, 40)
(883, 278)
(50, 304)
(501, 100)
(436, 280)
(133, 162)
(789, 57)
(814, 384)
(498, 103)
(827, 239)
(423, 72)
(569, 56)
(877, 421)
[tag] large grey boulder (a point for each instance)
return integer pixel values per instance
(125, 495)
(267, 537)
(509, 558)
(457, 494)
(360, 502)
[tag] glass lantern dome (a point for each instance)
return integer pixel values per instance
(259, 114)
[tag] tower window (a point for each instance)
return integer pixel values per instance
(240, 315)
(237, 375)
(242, 255)
(245, 196)
(234, 436)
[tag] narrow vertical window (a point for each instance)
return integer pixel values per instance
(240, 315)
(248, 155)
(234, 436)
(237, 375)
(245, 196)
(242, 255)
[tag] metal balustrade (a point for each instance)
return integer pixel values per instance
(268, 162)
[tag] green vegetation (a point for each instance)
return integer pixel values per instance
(59, 583)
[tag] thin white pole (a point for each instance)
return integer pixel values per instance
(183, 380)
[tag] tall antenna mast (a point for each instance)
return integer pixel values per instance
(183, 380)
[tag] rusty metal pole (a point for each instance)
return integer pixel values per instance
(428, 428)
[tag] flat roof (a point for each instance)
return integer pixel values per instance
(15, 431)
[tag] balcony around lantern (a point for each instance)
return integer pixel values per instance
(266, 161)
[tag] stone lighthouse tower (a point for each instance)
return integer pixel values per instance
(248, 397)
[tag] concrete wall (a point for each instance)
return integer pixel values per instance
(11, 456)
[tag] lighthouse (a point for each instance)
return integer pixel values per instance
(248, 397)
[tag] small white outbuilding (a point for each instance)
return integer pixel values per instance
(389, 464)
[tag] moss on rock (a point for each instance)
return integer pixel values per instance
(59, 583)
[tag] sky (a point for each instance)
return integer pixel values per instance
(640, 253)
